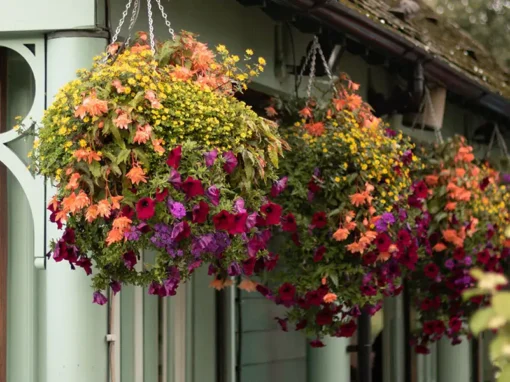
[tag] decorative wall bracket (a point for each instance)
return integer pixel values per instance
(32, 51)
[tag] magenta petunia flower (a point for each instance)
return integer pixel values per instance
(174, 157)
(200, 212)
(317, 344)
(85, 263)
(319, 254)
(272, 213)
(383, 242)
(145, 208)
(319, 220)
(180, 231)
(239, 224)
(130, 259)
(223, 221)
(161, 195)
(239, 206)
(289, 223)
(192, 187)
(283, 323)
(287, 292)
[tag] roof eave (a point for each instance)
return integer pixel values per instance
(340, 17)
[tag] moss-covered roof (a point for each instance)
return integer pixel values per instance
(441, 38)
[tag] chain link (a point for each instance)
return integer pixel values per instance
(307, 60)
(312, 70)
(121, 22)
(437, 130)
(151, 26)
(134, 17)
(326, 67)
(165, 17)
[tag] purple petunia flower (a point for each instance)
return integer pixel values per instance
(175, 178)
(210, 157)
(450, 264)
(251, 220)
(177, 209)
(239, 206)
(116, 286)
(385, 220)
(99, 298)
(133, 234)
(213, 193)
(234, 269)
(230, 162)
(279, 186)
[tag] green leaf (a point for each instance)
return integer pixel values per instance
(140, 155)
(137, 99)
(497, 346)
(116, 169)
(504, 376)
(501, 304)
(473, 292)
(123, 156)
(95, 169)
(440, 216)
(273, 156)
(334, 279)
(352, 177)
(480, 320)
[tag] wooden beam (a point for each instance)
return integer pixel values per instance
(3, 223)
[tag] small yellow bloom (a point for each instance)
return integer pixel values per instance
(249, 52)
(262, 61)
(83, 143)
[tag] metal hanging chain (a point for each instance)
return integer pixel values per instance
(165, 17)
(151, 26)
(121, 22)
(134, 17)
(326, 67)
(307, 60)
(312, 72)
(437, 131)
(497, 136)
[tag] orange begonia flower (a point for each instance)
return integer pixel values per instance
(86, 155)
(431, 180)
(104, 209)
(143, 134)
(115, 201)
(248, 285)
(151, 96)
(356, 248)
(339, 104)
(460, 172)
(92, 213)
(383, 256)
(354, 101)
(451, 236)
(329, 298)
(122, 121)
(341, 234)
(122, 223)
(53, 202)
(220, 284)
(114, 236)
(358, 199)
(136, 175)
(157, 144)
(306, 112)
(93, 106)
(316, 129)
(270, 111)
(439, 247)
(73, 182)
(450, 206)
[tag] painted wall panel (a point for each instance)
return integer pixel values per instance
(271, 346)
(37, 15)
(293, 370)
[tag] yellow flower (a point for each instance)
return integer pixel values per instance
(337, 179)
(262, 61)
(221, 49)
(83, 143)
(249, 52)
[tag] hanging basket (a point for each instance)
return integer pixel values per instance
(463, 214)
(152, 152)
(343, 229)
